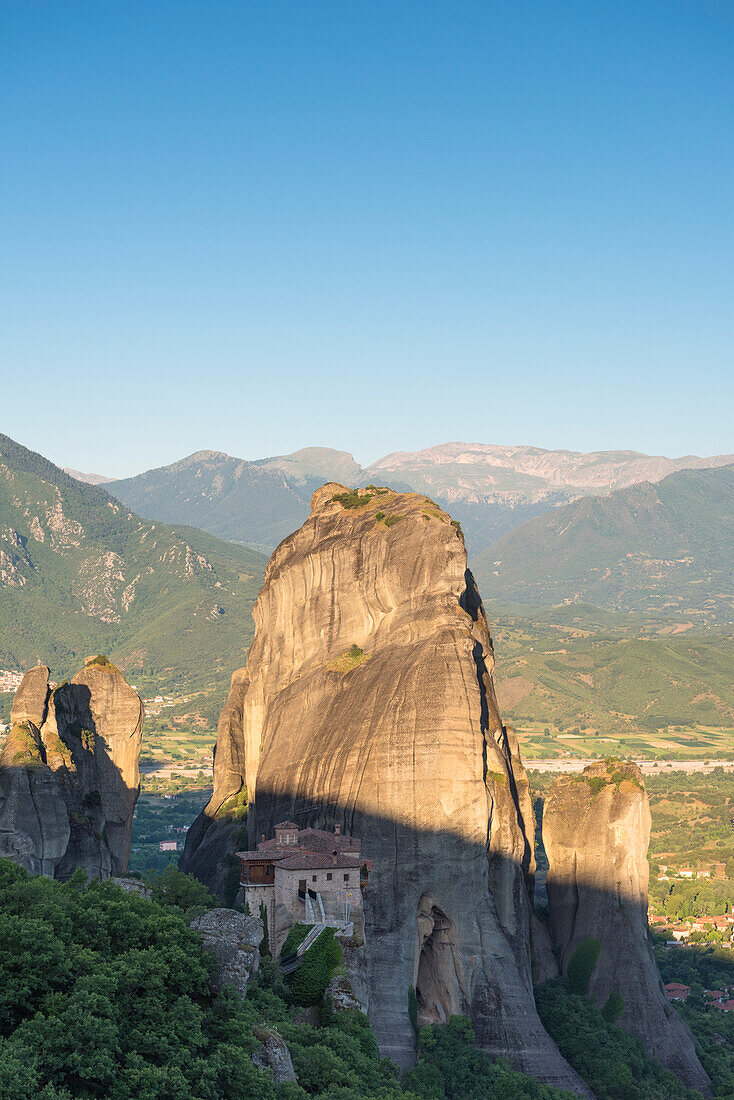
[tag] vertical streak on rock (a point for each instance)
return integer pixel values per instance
(370, 704)
(69, 775)
(596, 830)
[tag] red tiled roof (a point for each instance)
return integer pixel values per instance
(314, 861)
(313, 840)
(315, 848)
(319, 840)
(264, 857)
(678, 986)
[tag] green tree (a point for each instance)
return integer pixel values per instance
(581, 965)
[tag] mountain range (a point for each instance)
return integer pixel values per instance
(81, 573)
(489, 489)
(662, 549)
(171, 604)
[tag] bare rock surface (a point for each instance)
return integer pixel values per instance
(545, 965)
(234, 939)
(69, 777)
(273, 1054)
(133, 886)
(340, 995)
(368, 702)
(34, 823)
(30, 702)
(596, 830)
(354, 963)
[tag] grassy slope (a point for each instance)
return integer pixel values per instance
(71, 557)
(617, 674)
(663, 548)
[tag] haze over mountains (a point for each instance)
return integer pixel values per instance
(490, 489)
(664, 548)
(172, 604)
(79, 572)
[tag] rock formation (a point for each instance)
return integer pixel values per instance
(596, 829)
(340, 996)
(234, 939)
(368, 702)
(69, 777)
(273, 1054)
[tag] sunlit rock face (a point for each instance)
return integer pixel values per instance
(596, 830)
(368, 703)
(69, 775)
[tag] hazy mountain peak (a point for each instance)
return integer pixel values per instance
(88, 479)
(473, 470)
(319, 463)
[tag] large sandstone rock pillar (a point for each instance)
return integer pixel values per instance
(596, 831)
(368, 703)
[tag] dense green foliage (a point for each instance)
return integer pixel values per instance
(705, 968)
(413, 1008)
(352, 499)
(183, 892)
(105, 996)
(171, 608)
(452, 1068)
(307, 984)
(612, 1062)
(581, 965)
(294, 939)
(614, 1007)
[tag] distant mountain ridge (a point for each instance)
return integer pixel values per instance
(245, 502)
(490, 489)
(90, 479)
(478, 470)
(81, 573)
(647, 548)
(315, 463)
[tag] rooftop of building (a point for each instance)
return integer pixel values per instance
(308, 849)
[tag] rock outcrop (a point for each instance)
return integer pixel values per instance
(368, 703)
(69, 777)
(340, 996)
(273, 1054)
(596, 830)
(234, 939)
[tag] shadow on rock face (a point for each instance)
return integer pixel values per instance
(368, 703)
(69, 777)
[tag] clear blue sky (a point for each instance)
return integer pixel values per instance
(255, 226)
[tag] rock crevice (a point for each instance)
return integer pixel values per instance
(69, 776)
(596, 831)
(368, 703)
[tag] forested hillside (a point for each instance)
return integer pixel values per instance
(664, 549)
(613, 675)
(80, 573)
